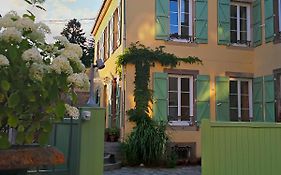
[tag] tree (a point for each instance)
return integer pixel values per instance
(74, 34)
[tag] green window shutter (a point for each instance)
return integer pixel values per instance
(269, 98)
(222, 98)
(223, 22)
(257, 32)
(201, 26)
(258, 99)
(203, 97)
(162, 19)
(160, 96)
(118, 106)
(269, 20)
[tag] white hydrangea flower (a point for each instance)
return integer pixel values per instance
(72, 111)
(37, 36)
(62, 39)
(72, 51)
(79, 80)
(32, 55)
(61, 65)
(11, 34)
(36, 71)
(26, 24)
(4, 61)
(9, 20)
(43, 27)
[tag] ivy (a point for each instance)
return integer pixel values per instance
(143, 58)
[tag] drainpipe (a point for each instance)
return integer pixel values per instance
(123, 105)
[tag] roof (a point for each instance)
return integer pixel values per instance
(100, 16)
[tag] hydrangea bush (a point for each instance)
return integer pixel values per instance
(36, 80)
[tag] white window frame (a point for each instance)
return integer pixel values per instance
(279, 12)
(111, 32)
(119, 27)
(190, 32)
(101, 47)
(238, 20)
(250, 89)
(191, 100)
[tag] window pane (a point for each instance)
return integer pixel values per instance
(233, 87)
(173, 99)
(174, 30)
(185, 19)
(245, 102)
(243, 37)
(233, 24)
(184, 31)
(233, 114)
(185, 99)
(184, 6)
(233, 37)
(174, 18)
(243, 25)
(173, 113)
(174, 5)
(234, 101)
(173, 84)
(243, 12)
(233, 11)
(184, 113)
(185, 84)
(244, 87)
(245, 115)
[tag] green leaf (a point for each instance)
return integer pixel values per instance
(20, 138)
(13, 121)
(13, 100)
(5, 85)
(60, 110)
(29, 2)
(46, 126)
(29, 137)
(43, 138)
(20, 128)
(4, 142)
(40, 7)
(32, 98)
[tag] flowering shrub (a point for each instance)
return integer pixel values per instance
(36, 79)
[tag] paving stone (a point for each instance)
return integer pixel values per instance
(156, 171)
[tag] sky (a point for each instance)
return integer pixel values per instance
(62, 10)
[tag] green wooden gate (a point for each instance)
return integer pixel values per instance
(241, 148)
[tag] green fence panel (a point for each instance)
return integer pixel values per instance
(230, 148)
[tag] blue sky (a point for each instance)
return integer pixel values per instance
(58, 10)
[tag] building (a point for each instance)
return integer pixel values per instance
(237, 40)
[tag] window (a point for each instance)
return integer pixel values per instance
(181, 19)
(105, 44)
(119, 27)
(111, 36)
(180, 102)
(102, 47)
(241, 106)
(240, 23)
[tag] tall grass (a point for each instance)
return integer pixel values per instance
(146, 143)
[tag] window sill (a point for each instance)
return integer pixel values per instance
(239, 46)
(180, 123)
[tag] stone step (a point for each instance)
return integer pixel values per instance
(113, 166)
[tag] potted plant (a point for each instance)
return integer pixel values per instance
(36, 80)
(114, 134)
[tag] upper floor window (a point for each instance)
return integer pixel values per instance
(240, 23)
(180, 101)
(278, 96)
(181, 19)
(241, 99)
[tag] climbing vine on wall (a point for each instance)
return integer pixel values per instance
(143, 58)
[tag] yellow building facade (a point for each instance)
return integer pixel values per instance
(238, 42)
